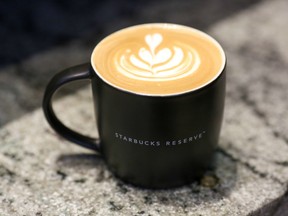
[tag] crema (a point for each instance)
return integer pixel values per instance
(158, 59)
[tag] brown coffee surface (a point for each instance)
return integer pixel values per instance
(158, 59)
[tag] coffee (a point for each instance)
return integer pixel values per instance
(150, 134)
(158, 59)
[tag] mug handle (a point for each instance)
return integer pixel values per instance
(79, 72)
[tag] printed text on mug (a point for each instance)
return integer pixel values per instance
(170, 142)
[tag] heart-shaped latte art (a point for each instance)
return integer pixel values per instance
(153, 62)
(153, 40)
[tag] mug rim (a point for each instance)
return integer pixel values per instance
(213, 40)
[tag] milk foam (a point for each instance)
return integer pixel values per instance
(158, 59)
(167, 63)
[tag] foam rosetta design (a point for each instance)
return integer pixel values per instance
(155, 62)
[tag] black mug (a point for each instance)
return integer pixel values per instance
(148, 141)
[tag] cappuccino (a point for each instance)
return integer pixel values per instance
(158, 59)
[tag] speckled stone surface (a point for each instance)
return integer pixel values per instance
(42, 174)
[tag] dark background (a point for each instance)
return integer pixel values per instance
(31, 26)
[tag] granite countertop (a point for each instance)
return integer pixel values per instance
(43, 174)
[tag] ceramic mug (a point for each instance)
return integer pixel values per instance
(147, 140)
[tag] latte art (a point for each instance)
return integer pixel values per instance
(154, 64)
(158, 59)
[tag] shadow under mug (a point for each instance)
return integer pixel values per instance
(148, 141)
